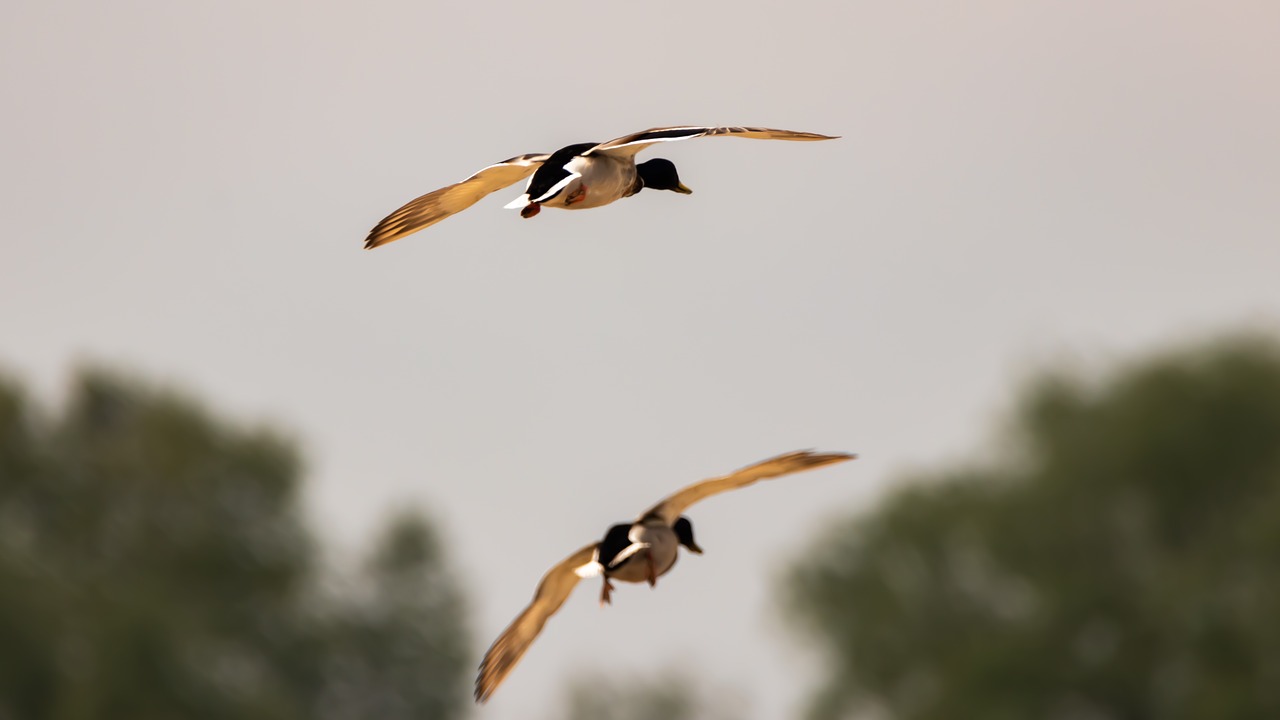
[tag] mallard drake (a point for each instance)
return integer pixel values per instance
(639, 551)
(576, 177)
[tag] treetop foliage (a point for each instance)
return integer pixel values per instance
(154, 563)
(1117, 562)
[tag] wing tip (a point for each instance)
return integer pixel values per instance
(812, 458)
(815, 136)
(377, 240)
(385, 232)
(836, 456)
(488, 677)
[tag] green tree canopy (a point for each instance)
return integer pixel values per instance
(1122, 560)
(154, 564)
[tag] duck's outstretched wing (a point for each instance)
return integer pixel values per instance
(673, 505)
(629, 145)
(440, 204)
(520, 634)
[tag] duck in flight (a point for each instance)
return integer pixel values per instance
(577, 177)
(639, 551)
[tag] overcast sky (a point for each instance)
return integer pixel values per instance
(184, 189)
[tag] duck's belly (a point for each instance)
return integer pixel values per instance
(605, 180)
(663, 545)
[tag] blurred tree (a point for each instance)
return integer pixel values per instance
(154, 564)
(1122, 562)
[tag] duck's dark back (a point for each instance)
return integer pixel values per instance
(553, 170)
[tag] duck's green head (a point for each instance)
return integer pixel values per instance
(660, 174)
(684, 533)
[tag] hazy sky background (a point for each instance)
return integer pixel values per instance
(184, 189)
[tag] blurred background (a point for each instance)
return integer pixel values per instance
(250, 470)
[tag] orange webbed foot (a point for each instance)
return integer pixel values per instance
(576, 196)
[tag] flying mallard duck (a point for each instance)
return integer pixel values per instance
(576, 177)
(640, 551)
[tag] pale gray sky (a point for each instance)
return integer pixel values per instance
(184, 189)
